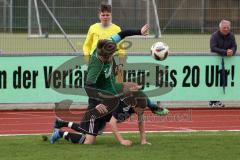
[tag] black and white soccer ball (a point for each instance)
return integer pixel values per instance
(159, 51)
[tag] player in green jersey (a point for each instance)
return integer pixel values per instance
(105, 94)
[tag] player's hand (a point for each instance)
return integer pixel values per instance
(145, 143)
(145, 30)
(126, 142)
(229, 52)
(101, 108)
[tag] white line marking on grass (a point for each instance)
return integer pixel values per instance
(169, 131)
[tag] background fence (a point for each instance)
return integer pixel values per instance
(185, 24)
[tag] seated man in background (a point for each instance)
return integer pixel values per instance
(223, 43)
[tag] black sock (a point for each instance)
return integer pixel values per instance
(64, 124)
(76, 127)
(61, 133)
(74, 137)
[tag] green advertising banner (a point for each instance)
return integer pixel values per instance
(47, 79)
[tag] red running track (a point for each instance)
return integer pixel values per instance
(41, 121)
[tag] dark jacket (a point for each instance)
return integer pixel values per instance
(220, 43)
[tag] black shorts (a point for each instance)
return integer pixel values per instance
(94, 126)
(93, 123)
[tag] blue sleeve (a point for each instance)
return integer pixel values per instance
(116, 38)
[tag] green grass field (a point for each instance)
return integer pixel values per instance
(19, 43)
(165, 146)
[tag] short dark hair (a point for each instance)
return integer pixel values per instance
(105, 8)
(106, 47)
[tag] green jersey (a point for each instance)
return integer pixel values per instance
(101, 75)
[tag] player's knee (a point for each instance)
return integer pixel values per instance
(90, 139)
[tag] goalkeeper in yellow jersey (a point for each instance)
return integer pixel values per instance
(103, 30)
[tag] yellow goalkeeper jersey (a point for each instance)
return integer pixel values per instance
(96, 32)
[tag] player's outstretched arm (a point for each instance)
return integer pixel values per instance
(113, 124)
(141, 128)
(126, 33)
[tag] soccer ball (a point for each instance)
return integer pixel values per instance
(159, 51)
